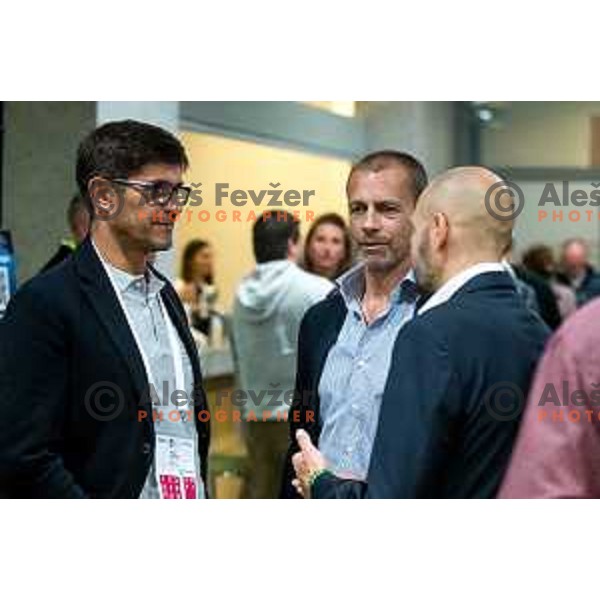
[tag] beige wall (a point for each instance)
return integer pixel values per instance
(337, 107)
(246, 165)
(541, 134)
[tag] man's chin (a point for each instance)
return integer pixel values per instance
(161, 245)
(426, 282)
(383, 264)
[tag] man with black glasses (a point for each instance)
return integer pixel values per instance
(100, 382)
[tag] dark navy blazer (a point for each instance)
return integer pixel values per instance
(65, 345)
(458, 380)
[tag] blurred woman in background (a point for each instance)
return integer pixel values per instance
(328, 247)
(196, 284)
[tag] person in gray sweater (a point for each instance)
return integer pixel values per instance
(269, 305)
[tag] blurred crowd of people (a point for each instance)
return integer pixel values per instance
(560, 286)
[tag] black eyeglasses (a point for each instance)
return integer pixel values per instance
(159, 193)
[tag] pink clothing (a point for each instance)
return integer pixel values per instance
(557, 454)
(565, 298)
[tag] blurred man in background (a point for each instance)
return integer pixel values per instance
(78, 218)
(577, 272)
(269, 305)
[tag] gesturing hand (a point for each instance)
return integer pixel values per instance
(307, 463)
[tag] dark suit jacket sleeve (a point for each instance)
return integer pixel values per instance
(416, 414)
(303, 405)
(33, 390)
(61, 254)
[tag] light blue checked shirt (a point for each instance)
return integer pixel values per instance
(141, 301)
(355, 373)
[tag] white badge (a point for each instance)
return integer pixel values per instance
(175, 468)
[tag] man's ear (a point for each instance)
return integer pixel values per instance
(440, 231)
(106, 201)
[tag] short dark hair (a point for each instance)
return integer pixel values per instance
(271, 234)
(191, 249)
(383, 159)
(539, 259)
(120, 148)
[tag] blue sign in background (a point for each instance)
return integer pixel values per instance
(8, 270)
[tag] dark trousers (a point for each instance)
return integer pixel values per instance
(267, 444)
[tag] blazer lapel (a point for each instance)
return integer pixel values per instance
(100, 293)
(183, 330)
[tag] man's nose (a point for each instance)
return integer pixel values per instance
(174, 205)
(372, 220)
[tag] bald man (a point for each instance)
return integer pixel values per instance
(577, 273)
(460, 369)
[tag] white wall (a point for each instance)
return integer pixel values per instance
(546, 142)
(531, 229)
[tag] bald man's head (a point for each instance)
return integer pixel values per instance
(454, 228)
(574, 258)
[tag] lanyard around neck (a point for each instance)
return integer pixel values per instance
(176, 352)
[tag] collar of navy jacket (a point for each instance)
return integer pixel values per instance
(102, 297)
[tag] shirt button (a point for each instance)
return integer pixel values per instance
(355, 406)
(348, 449)
(361, 364)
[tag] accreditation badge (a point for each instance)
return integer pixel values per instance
(176, 468)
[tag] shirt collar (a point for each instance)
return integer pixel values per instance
(146, 284)
(352, 286)
(444, 293)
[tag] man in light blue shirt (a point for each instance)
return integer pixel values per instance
(346, 341)
(355, 372)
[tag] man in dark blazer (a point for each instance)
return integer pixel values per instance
(460, 369)
(76, 408)
(345, 342)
